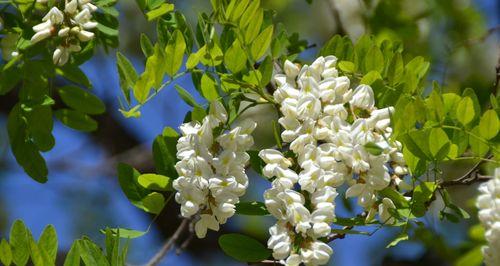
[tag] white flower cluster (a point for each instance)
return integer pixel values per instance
(328, 126)
(488, 203)
(72, 25)
(212, 171)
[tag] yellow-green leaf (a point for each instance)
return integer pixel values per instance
(253, 28)
(153, 202)
(155, 182)
(439, 144)
(347, 66)
(489, 125)
(465, 111)
(209, 87)
(160, 11)
(152, 75)
(235, 57)
(174, 53)
(5, 252)
(262, 42)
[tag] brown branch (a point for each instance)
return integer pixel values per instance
(334, 236)
(463, 182)
(169, 244)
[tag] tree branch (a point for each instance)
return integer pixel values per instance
(475, 178)
(170, 242)
(334, 236)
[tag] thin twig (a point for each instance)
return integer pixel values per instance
(269, 262)
(170, 242)
(464, 182)
(334, 236)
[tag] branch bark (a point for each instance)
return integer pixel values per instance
(334, 236)
(169, 244)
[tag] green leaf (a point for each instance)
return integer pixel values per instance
(276, 133)
(465, 111)
(133, 112)
(243, 248)
(253, 28)
(164, 152)
(347, 66)
(155, 182)
(474, 257)
(152, 75)
(371, 77)
(396, 69)
(160, 11)
(418, 143)
(76, 120)
(19, 242)
(127, 233)
(421, 196)
(373, 148)
(186, 96)
(198, 114)
(146, 45)
(48, 244)
(251, 208)
(209, 87)
(81, 100)
(36, 255)
(90, 253)
(266, 69)
(489, 125)
(8, 79)
(436, 105)
(238, 9)
(476, 233)
(73, 256)
(127, 74)
(439, 144)
(374, 60)
(256, 162)
(262, 43)
(24, 150)
(40, 124)
(174, 52)
(396, 197)
(450, 101)
(107, 30)
(5, 252)
(194, 58)
(401, 237)
(249, 13)
(235, 58)
(74, 74)
(477, 144)
(154, 202)
(127, 177)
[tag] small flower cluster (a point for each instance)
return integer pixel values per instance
(212, 169)
(328, 127)
(488, 203)
(72, 25)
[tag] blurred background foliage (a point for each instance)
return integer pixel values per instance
(458, 37)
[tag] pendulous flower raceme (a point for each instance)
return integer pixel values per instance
(71, 25)
(211, 169)
(488, 203)
(331, 130)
